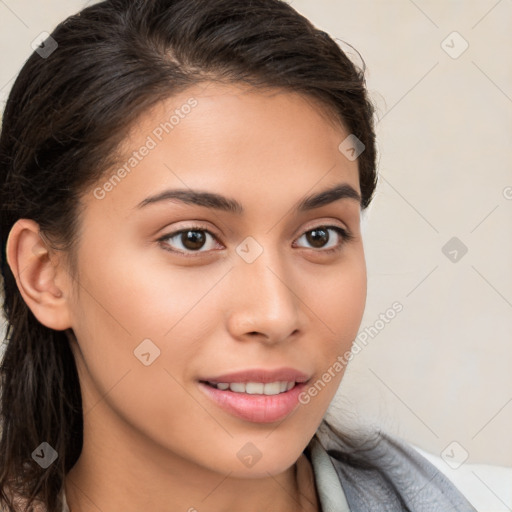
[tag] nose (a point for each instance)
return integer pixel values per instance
(264, 303)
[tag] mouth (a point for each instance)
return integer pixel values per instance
(257, 396)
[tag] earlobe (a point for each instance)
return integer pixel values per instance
(39, 274)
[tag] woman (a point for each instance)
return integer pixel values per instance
(182, 184)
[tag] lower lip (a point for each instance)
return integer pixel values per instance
(256, 408)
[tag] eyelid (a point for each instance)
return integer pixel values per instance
(327, 223)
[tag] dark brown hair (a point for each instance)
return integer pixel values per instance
(66, 115)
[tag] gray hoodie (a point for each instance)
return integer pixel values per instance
(403, 482)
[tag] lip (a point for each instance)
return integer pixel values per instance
(260, 375)
(257, 408)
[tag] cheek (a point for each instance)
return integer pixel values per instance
(338, 302)
(131, 312)
(337, 297)
(129, 294)
(345, 299)
(127, 316)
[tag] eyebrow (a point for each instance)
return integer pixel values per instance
(219, 202)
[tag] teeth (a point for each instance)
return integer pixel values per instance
(256, 388)
(237, 387)
(272, 388)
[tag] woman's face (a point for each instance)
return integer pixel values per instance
(260, 282)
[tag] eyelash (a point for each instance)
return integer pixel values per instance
(345, 236)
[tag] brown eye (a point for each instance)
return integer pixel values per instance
(188, 240)
(192, 240)
(318, 237)
(322, 238)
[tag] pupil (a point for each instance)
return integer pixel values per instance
(318, 237)
(193, 239)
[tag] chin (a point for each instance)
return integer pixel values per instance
(262, 456)
(263, 469)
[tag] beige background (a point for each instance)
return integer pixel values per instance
(440, 371)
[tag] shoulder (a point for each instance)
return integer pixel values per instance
(388, 474)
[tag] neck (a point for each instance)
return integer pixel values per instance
(108, 476)
(86, 492)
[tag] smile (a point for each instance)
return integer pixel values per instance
(255, 407)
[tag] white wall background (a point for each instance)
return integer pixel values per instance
(440, 371)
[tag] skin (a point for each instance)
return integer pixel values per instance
(152, 438)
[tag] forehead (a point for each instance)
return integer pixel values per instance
(233, 138)
(259, 111)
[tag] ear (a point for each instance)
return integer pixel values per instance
(40, 274)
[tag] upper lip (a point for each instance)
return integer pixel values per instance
(260, 375)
